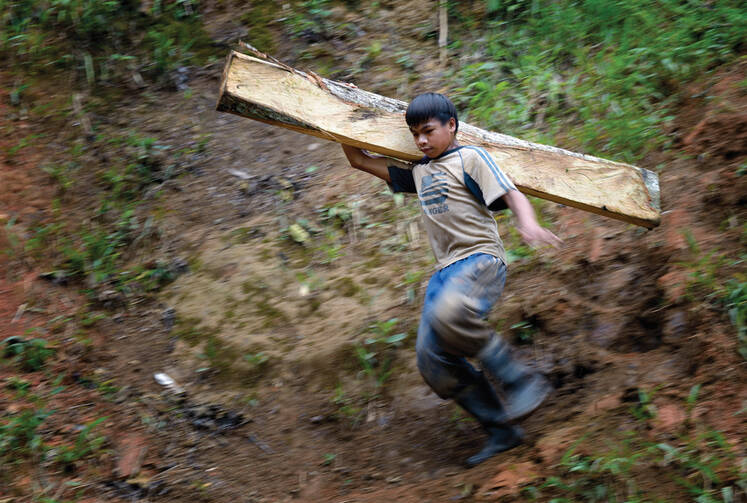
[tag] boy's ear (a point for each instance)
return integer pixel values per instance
(452, 124)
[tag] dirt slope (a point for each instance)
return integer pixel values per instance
(265, 333)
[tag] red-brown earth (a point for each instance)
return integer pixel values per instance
(614, 312)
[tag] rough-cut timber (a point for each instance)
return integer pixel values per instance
(277, 94)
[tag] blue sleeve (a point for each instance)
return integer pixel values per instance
(485, 179)
(401, 180)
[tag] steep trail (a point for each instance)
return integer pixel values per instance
(262, 331)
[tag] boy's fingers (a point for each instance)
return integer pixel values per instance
(553, 239)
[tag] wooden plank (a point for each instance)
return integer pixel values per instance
(274, 93)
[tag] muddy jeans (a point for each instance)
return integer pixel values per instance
(453, 325)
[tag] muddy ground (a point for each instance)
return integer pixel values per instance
(263, 334)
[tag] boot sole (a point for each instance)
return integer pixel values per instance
(488, 453)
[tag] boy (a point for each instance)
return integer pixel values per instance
(457, 187)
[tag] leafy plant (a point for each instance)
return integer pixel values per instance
(524, 332)
(85, 444)
(328, 458)
(702, 462)
(256, 360)
(89, 36)
(602, 74)
(31, 354)
(644, 409)
(18, 434)
(376, 354)
(309, 19)
(735, 301)
(345, 406)
(20, 386)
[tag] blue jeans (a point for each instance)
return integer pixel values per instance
(453, 326)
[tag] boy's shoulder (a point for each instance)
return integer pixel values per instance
(473, 156)
(474, 152)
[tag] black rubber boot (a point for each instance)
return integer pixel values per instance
(480, 400)
(502, 438)
(524, 389)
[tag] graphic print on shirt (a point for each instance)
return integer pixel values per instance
(433, 193)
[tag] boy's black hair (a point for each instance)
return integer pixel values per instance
(428, 106)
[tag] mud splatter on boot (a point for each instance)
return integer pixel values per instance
(524, 388)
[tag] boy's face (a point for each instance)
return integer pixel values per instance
(433, 138)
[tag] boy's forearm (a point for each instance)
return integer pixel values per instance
(521, 208)
(364, 162)
(355, 155)
(527, 224)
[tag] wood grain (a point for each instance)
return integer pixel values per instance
(283, 96)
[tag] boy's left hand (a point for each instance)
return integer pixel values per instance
(535, 236)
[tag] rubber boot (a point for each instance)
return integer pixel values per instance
(480, 400)
(524, 389)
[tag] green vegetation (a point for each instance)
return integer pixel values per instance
(376, 354)
(309, 19)
(735, 302)
(85, 445)
(601, 75)
(29, 354)
(328, 458)
(19, 435)
(706, 281)
(345, 408)
(94, 251)
(524, 332)
(101, 40)
(632, 467)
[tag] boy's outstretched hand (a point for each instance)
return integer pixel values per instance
(535, 235)
(531, 231)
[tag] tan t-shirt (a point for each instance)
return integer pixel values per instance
(457, 190)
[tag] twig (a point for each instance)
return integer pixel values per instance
(266, 448)
(443, 30)
(59, 491)
(19, 313)
(166, 471)
(82, 117)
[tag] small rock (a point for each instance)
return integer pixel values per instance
(179, 266)
(673, 284)
(133, 447)
(313, 146)
(675, 327)
(168, 318)
(166, 381)
(605, 334)
(317, 419)
(596, 248)
(510, 479)
(673, 223)
(298, 233)
(607, 402)
(669, 418)
(553, 445)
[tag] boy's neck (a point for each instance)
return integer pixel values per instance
(453, 145)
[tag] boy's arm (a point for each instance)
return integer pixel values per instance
(527, 225)
(358, 159)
